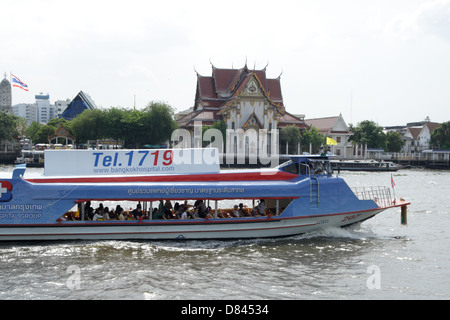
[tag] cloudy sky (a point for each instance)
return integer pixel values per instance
(384, 60)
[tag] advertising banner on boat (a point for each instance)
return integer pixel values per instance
(131, 162)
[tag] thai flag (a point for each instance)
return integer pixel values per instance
(17, 83)
(392, 182)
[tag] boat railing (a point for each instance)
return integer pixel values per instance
(381, 195)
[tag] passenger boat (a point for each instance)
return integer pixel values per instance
(364, 165)
(299, 196)
(31, 158)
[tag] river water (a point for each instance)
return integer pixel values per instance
(379, 259)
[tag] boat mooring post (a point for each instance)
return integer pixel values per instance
(403, 218)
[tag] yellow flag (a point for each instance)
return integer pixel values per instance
(331, 142)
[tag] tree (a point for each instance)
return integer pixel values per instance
(90, 125)
(33, 129)
(8, 126)
(290, 135)
(114, 123)
(394, 142)
(41, 136)
(440, 137)
(313, 137)
(158, 121)
(134, 130)
(368, 132)
(153, 125)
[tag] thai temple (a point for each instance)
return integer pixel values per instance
(242, 98)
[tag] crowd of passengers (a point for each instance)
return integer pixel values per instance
(165, 210)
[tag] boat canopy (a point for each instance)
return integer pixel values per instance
(307, 165)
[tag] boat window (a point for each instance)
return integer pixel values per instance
(292, 167)
(304, 169)
(319, 167)
(110, 210)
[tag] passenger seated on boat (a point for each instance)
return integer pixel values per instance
(137, 213)
(119, 213)
(97, 216)
(106, 214)
(112, 215)
(261, 208)
(177, 210)
(168, 206)
(88, 210)
(202, 210)
(223, 214)
(194, 213)
(69, 216)
(100, 210)
(209, 214)
(235, 213)
(161, 209)
(243, 211)
(184, 214)
(169, 215)
(157, 214)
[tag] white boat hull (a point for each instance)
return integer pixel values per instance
(243, 228)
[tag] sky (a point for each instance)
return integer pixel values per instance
(382, 60)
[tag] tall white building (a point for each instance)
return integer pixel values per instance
(45, 111)
(5, 95)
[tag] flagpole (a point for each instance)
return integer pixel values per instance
(393, 186)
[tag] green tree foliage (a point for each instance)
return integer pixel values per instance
(290, 135)
(153, 125)
(368, 132)
(394, 142)
(39, 133)
(8, 126)
(89, 125)
(440, 137)
(313, 137)
(159, 122)
(33, 129)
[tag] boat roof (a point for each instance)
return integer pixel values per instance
(304, 157)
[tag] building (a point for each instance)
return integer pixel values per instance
(45, 110)
(242, 98)
(81, 102)
(26, 111)
(61, 106)
(5, 95)
(41, 111)
(417, 137)
(336, 129)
